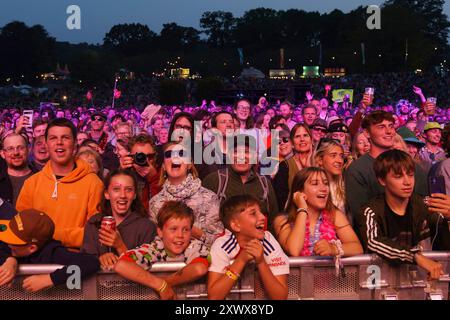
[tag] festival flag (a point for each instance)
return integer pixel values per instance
(117, 94)
(339, 94)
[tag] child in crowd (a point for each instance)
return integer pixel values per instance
(246, 242)
(28, 239)
(174, 243)
(133, 228)
(312, 225)
(393, 224)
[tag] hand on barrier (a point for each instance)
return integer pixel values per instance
(37, 282)
(324, 248)
(108, 260)
(255, 249)
(168, 293)
(435, 269)
(8, 271)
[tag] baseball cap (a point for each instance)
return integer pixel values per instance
(409, 137)
(432, 125)
(27, 227)
(98, 113)
(319, 123)
(338, 127)
(334, 119)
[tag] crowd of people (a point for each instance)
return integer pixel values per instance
(223, 188)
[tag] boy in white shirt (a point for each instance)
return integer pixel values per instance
(246, 241)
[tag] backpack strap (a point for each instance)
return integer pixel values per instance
(223, 182)
(265, 185)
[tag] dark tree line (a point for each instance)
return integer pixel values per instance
(419, 28)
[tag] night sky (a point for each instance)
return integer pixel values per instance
(98, 16)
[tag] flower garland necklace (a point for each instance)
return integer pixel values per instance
(326, 229)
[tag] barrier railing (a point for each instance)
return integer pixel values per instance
(364, 277)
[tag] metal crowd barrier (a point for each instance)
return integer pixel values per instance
(365, 277)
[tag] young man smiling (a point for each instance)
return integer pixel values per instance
(393, 225)
(361, 183)
(65, 189)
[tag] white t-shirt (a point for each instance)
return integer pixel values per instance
(226, 248)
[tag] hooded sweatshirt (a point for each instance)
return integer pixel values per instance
(69, 201)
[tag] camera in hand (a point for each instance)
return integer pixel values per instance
(140, 159)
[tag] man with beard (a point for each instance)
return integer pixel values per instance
(286, 112)
(15, 153)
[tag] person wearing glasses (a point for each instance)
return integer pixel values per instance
(180, 182)
(142, 160)
(319, 130)
(98, 121)
(15, 153)
(284, 151)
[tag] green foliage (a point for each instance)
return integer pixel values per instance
(25, 51)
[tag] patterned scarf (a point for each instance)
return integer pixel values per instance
(185, 190)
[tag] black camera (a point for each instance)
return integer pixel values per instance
(140, 159)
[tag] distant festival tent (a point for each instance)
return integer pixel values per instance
(252, 73)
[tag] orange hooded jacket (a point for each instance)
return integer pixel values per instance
(69, 201)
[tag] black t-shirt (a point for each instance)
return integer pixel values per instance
(400, 227)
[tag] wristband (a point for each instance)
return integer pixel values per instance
(302, 210)
(232, 275)
(163, 287)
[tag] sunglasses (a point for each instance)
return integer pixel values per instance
(283, 140)
(188, 128)
(172, 153)
(320, 129)
(327, 140)
(93, 118)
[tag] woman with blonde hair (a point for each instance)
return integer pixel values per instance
(94, 160)
(180, 182)
(312, 225)
(329, 156)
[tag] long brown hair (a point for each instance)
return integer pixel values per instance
(308, 131)
(136, 206)
(298, 184)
